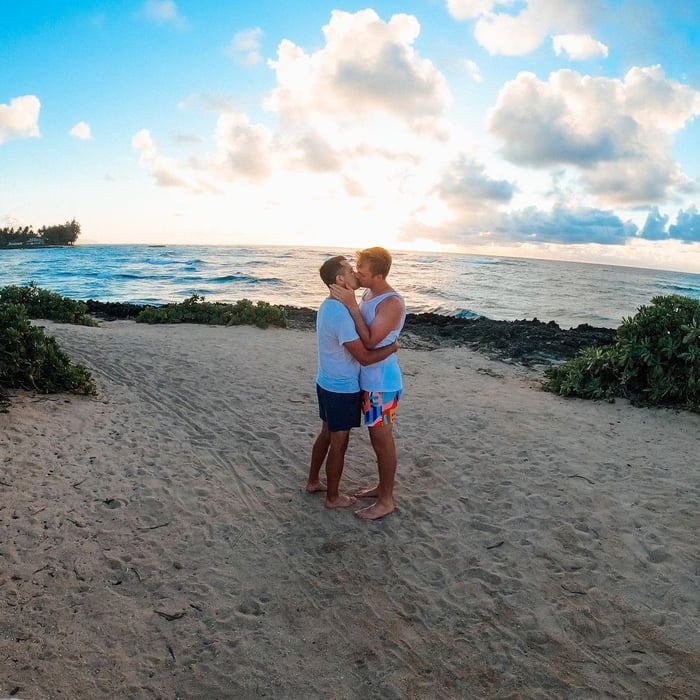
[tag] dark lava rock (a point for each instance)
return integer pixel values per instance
(112, 311)
(526, 342)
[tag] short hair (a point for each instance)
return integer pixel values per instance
(332, 268)
(377, 259)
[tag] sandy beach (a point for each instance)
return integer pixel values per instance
(157, 541)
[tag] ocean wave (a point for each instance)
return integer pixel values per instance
(160, 261)
(486, 261)
(424, 291)
(129, 276)
(681, 289)
(467, 313)
(245, 279)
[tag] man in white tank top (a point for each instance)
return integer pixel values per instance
(379, 319)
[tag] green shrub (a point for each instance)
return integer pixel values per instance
(42, 303)
(32, 360)
(654, 360)
(196, 310)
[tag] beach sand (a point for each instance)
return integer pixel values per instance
(157, 541)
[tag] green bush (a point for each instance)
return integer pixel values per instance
(196, 310)
(42, 303)
(32, 360)
(654, 360)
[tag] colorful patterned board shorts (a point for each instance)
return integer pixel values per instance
(379, 407)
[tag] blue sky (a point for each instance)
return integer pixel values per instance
(540, 128)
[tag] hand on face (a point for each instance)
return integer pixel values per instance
(344, 295)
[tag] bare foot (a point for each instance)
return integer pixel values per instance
(315, 487)
(367, 493)
(375, 511)
(342, 501)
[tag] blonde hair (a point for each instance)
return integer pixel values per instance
(377, 259)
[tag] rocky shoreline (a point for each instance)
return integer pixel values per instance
(527, 342)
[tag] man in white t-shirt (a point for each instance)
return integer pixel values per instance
(341, 354)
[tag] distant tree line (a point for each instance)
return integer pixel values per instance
(26, 236)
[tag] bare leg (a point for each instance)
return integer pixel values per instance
(318, 457)
(334, 470)
(382, 439)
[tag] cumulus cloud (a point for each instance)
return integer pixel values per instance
(318, 154)
(19, 119)
(244, 149)
(687, 226)
(617, 132)
(164, 12)
(351, 78)
(654, 228)
(245, 46)
(578, 47)
(516, 29)
(469, 9)
(465, 185)
(566, 225)
(473, 71)
(166, 171)
(81, 131)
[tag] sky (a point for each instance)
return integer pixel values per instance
(530, 128)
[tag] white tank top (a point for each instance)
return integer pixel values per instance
(384, 375)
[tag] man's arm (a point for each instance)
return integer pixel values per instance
(366, 357)
(389, 313)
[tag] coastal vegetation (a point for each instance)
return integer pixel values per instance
(25, 236)
(43, 303)
(29, 359)
(653, 361)
(197, 310)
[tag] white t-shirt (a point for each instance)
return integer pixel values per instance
(338, 370)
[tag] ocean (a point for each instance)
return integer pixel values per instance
(450, 284)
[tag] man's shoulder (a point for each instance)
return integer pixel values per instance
(391, 298)
(330, 304)
(332, 309)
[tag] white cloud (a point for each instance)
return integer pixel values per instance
(469, 9)
(516, 29)
(465, 184)
(578, 47)
(19, 119)
(244, 149)
(81, 131)
(473, 71)
(166, 171)
(351, 79)
(245, 46)
(164, 12)
(618, 133)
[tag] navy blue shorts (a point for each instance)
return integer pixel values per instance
(340, 411)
